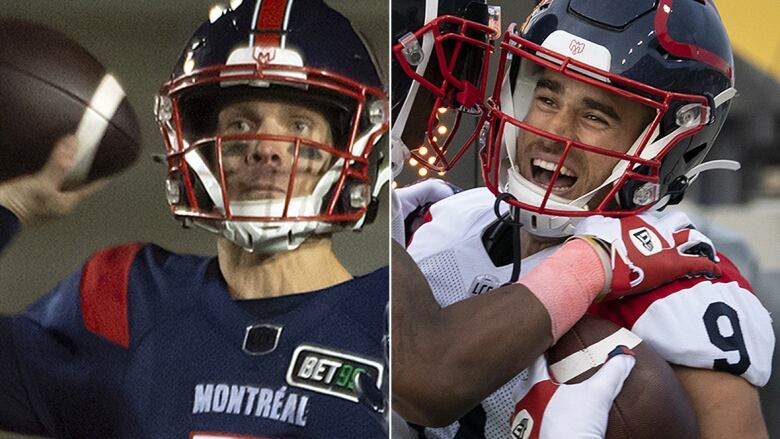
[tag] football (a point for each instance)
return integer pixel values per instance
(652, 403)
(50, 86)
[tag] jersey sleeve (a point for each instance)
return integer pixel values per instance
(714, 324)
(72, 348)
(17, 413)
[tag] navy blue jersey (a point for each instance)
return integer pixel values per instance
(142, 342)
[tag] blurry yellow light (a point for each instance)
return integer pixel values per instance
(422, 150)
(395, 184)
(441, 173)
(442, 130)
(435, 139)
(413, 162)
(422, 172)
(431, 160)
(442, 110)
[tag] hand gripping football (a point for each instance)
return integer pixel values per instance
(652, 403)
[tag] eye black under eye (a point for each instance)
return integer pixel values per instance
(307, 152)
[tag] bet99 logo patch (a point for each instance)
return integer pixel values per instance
(331, 372)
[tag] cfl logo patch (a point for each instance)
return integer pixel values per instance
(522, 425)
(484, 283)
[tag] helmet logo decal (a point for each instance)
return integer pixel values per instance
(264, 55)
(576, 47)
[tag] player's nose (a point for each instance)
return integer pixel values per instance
(268, 150)
(560, 123)
(265, 152)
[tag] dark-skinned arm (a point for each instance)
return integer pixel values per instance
(445, 360)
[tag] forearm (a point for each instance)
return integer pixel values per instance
(726, 406)
(445, 360)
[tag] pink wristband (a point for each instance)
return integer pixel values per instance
(566, 283)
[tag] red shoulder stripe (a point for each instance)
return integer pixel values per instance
(625, 312)
(103, 292)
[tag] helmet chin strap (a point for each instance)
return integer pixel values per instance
(512, 219)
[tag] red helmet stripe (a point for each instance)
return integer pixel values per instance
(270, 22)
(685, 50)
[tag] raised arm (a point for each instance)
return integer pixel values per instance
(37, 198)
(25, 201)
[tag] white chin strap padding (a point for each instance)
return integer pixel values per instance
(271, 237)
(547, 226)
(541, 224)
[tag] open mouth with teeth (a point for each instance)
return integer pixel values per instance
(542, 172)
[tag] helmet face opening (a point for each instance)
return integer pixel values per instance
(269, 143)
(270, 128)
(568, 138)
(447, 60)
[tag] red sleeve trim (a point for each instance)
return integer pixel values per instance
(625, 312)
(103, 292)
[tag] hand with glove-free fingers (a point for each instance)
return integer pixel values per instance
(40, 197)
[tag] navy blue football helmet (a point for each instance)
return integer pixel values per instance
(440, 66)
(300, 53)
(672, 58)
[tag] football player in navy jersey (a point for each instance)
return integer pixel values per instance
(270, 131)
(601, 111)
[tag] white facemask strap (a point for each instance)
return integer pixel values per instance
(725, 96)
(207, 178)
(729, 165)
(516, 101)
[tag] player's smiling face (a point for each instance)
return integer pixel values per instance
(260, 169)
(586, 114)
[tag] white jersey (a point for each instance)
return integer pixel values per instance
(717, 324)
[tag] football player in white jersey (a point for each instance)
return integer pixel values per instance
(600, 112)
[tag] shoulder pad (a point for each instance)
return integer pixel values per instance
(103, 292)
